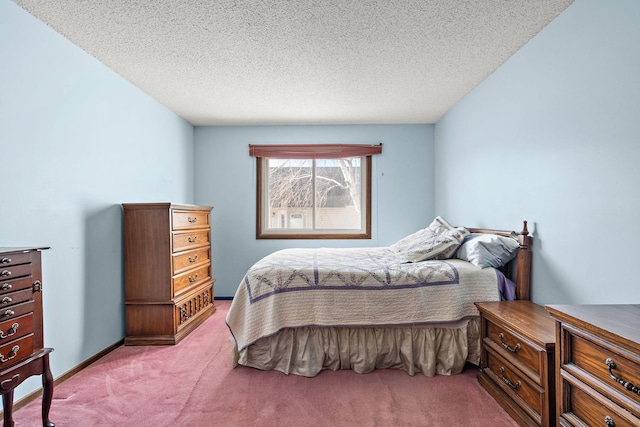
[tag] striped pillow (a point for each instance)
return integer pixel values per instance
(438, 241)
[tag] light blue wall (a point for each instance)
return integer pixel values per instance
(77, 140)
(402, 190)
(553, 136)
(560, 118)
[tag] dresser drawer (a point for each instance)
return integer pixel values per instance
(525, 393)
(17, 297)
(187, 260)
(15, 271)
(14, 328)
(16, 350)
(191, 278)
(194, 304)
(16, 310)
(602, 363)
(193, 239)
(592, 409)
(9, 259)
(517, 349)
(15, 284)
(182, 220)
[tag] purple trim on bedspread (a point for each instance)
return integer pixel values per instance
(372, 272)
(253, 299)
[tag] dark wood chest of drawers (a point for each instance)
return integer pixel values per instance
(598, 364)
(517, 362)
(167, 266)
(22, 352)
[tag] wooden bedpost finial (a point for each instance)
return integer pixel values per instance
(524, 231)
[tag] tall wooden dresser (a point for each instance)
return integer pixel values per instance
(598, 364)
(167, 271)
(22, 351)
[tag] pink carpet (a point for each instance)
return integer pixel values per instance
(193, 384)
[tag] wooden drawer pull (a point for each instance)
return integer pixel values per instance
(626, 384)
(507, 346)
(11, 331)
(608, 421)
(5, 260)
(508, 381)
(11, 355)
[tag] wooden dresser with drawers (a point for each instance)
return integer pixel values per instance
(598, 364)
(167, 271)
(22, 351)
(517, 360)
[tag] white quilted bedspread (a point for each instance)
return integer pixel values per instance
(353, 287)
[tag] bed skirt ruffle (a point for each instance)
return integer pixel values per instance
(434, 349)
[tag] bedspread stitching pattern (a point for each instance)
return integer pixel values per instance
(294, 270)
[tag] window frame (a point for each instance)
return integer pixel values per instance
(333, 235)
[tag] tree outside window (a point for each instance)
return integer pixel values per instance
(314, 198)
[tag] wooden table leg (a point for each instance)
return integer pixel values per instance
(47, 391)
(7, 402)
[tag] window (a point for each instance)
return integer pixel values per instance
(319, 197)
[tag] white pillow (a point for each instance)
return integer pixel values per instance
(488, 250)
(438, 241)
(439, 225)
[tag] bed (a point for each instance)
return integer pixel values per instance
(408, 306)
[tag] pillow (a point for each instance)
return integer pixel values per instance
(439, 225)
(488, 250)
(438, 241)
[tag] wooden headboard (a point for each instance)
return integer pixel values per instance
(518, 270)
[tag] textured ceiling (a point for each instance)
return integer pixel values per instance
(232, 62)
